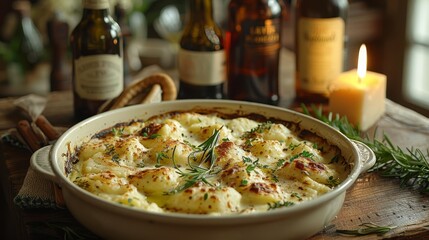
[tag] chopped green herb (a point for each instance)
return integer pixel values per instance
(159, 157)
(110, 149)
(293, 146)
(279, 204)
(247, 159)
(115, 158)
(250, 168)
(244, 182)
(296, 195)
(118, 132)
(274, 177)
(155, 135)
(333, 182)
(305, 154)
(248, 142)
(280, 163)
(259, 129)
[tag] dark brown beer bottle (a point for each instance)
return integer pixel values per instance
(253, 45)
(320, 43)
(201, 57)
(97, 59)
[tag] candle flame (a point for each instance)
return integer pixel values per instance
(361, 69)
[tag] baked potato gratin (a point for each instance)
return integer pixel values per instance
(207, 163)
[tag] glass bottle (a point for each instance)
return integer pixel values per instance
(121, 18)
(27, 42)
(320, 42)
(58, 31)
(253, 46)
(201, 57)
(98, 73)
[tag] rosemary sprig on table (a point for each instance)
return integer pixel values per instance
(68, 228)
(367, 228)
(411, 166)
(196, 172)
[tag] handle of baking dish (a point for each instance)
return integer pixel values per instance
(366, 155)
(41, 163)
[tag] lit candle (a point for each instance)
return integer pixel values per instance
(359, 94)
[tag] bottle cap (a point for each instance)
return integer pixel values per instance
(21, 6)
(95, 4)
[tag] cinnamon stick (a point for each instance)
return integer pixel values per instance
(24, 128)
(50, 132)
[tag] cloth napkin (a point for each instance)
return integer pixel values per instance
(36, 192)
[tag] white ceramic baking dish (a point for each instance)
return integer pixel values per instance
(113, 221)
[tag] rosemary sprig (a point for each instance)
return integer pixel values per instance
(411, 166)
(367, 228)
(197, 172)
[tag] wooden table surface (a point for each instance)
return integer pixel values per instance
(371, 199)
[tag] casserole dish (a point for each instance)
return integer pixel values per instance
(114, 221)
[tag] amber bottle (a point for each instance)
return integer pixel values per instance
(320, 42)
(97, 59)
(201, 57)
(253, 43)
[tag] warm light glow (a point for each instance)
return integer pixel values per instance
(361, 69)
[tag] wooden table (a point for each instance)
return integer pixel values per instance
(371, 199)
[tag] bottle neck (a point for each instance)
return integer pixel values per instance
(96, 8)
(201, 10)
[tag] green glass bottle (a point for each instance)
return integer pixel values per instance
(27, 42)
(201, 57)
(98, 73)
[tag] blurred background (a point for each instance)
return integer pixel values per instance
(395, 32)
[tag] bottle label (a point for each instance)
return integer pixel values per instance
(96, 4)
(261, 36)
(321, 45)
(202, 68)
(99, 77)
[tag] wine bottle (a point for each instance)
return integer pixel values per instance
(121, 18)
(96, 44)
(320, 43)
(27, 42)
(201, 57)
(253, 50)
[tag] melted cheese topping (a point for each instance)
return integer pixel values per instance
(207, 164)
